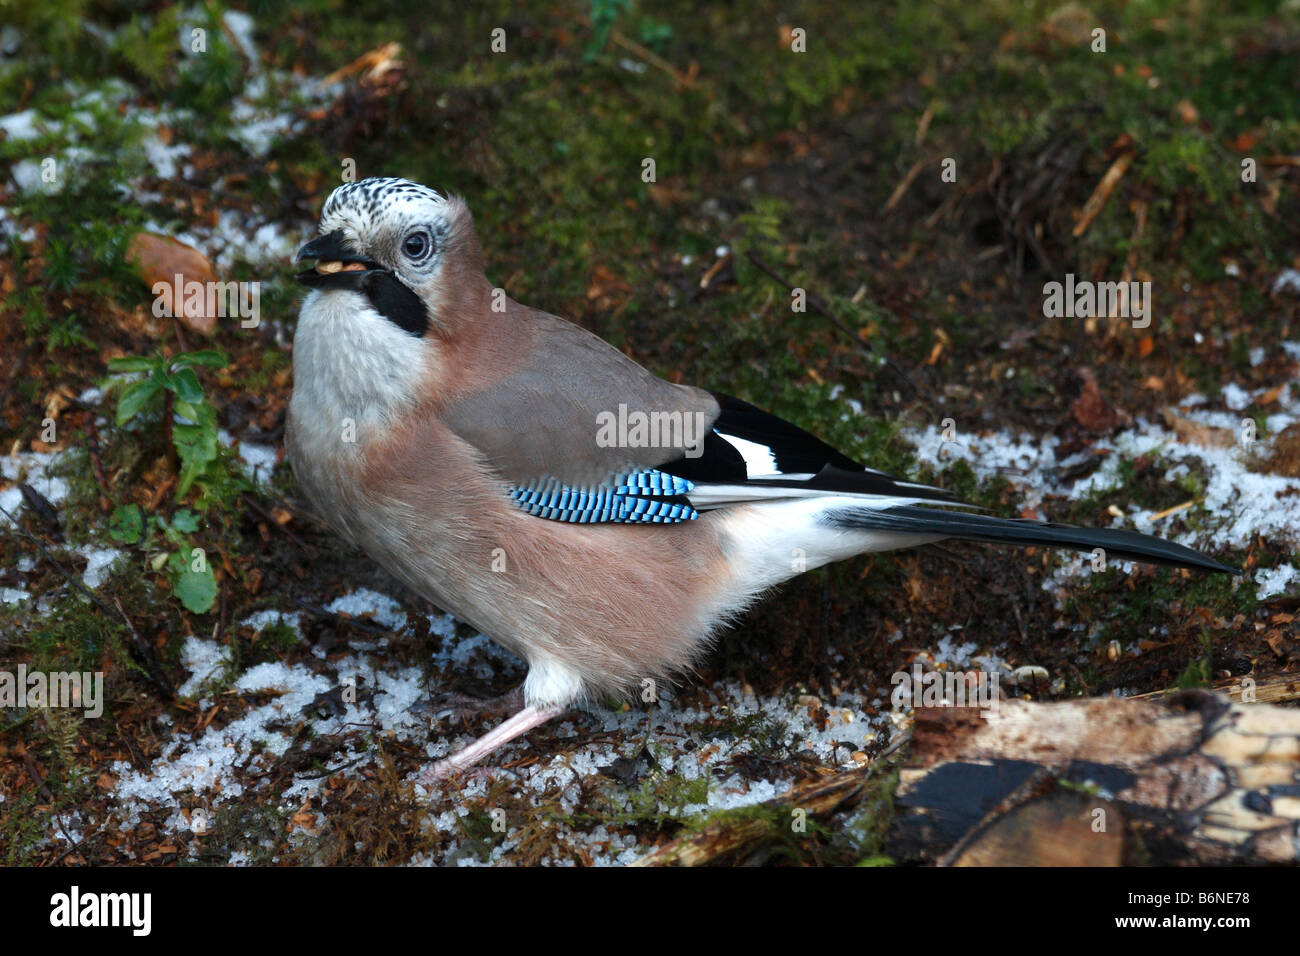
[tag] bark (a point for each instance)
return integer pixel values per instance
(1194, 778)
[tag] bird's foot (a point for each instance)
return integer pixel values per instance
(520, 723)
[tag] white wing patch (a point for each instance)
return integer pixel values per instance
(759, 460)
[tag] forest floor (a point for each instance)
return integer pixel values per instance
(920, 171)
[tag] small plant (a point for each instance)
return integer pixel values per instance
(66, 333)
(187, 566)
(1199, 672)
(189, 418)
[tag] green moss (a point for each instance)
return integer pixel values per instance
(253, 829)
(657, 800)
(23, 829)
(867, 829)
(74, 635)
(273, 642)
(787, 833)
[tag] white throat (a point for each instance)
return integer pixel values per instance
(352, 368)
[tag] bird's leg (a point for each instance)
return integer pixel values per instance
(520, 723)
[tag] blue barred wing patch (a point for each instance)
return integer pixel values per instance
(639, 497)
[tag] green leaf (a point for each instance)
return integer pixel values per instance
(185, 410)
(185, 520)
(126, 524)
(134, 399)
(197, 590)
(199, 413)
(211, 357)
(185, 384)
(197, 447)
(132, 363)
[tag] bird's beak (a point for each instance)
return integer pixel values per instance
(336, 265)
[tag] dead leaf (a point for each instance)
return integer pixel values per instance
(373, 65)
(1092, 411)
(167, 267)
(1244, 143)
(1285, 459)
(1271, 396)
(1194, 433)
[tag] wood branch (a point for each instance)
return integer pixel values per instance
(1097, 201)
(1191, 779)
(903, 185)
(1277, 690)
(816, 798)
(718, 841)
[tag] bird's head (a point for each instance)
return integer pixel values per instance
(398, 271)
(400, 244)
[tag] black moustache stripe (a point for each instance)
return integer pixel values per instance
(387, 294)
(395, 302)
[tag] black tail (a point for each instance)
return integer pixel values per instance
(1129, 545)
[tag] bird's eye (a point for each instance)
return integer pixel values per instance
(415, 245)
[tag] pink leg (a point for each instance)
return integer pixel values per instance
(502, 734)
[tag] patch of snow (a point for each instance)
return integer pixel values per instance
(1273, 581)
(365, 602)
(203, 659)
(33, 468)
(260, 460)
(99, 562)
(260, 620)
(20, 126)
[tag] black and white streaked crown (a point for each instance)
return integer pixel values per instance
(373, 199)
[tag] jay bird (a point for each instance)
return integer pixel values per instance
(531, 479)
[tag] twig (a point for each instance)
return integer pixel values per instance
(658, 62)
(144, 650)
(1175, 509)
(713, 271)
(923, 124)
(901, 189)
(96, 460)
(821, 310)
(45, 553)
(1097, 201)
(35, 772)
(180, 336)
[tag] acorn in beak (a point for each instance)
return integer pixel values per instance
(336, 265)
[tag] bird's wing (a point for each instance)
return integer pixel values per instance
(579, 432)
(752, 455)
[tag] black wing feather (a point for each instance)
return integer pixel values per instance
(795, 452)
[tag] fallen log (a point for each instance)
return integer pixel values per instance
(1194, 778)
